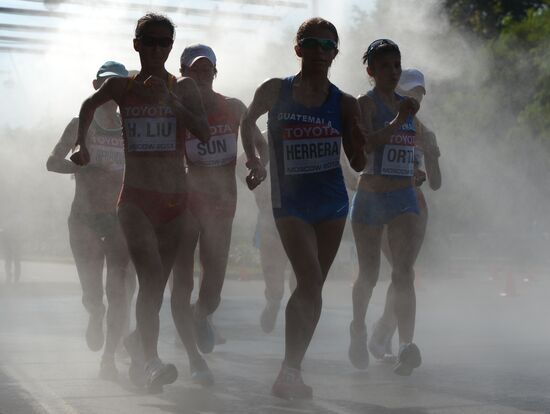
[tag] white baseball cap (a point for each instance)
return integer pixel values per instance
(195, 52)
(411, 78)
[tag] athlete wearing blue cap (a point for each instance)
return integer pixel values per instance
(385, 197)
(309, 120)
(94, 231)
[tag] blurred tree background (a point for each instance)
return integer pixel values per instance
(517, 33)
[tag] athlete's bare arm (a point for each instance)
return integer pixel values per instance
(111, 89)
(264, 99)
(57, 161)
(353, 133)
(190, 108)
(429, 145)
(407, 107)
(263, 148)
(260, 144)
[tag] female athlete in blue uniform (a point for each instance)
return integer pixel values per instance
(309, 119)
(426, 154)
(385, 196)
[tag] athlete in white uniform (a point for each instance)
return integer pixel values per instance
(94, 231)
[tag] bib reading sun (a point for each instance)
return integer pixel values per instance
(221, 148)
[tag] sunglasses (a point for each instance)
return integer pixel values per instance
(313, 42)
(150, 41)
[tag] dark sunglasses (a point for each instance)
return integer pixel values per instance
(313, 42)
(151, 41)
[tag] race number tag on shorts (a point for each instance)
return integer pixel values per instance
(150, 128)
(107, 151)
(398, 155)
(310, 149)
(217, 151)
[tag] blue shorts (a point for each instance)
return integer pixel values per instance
(377, 209)
(314, 214)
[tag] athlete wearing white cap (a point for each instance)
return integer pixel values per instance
(427, 155)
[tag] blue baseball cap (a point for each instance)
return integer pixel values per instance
(112, 68)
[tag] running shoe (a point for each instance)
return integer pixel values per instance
(358, 353)
(136, 371)
(159, 374)
(94, 331)
(200, 373)
(204, 334)
(107, 368)
(269, 316)
(378, 341)
(290, 385)
(408, 359)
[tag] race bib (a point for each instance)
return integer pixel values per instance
(398, 160)
(217, 151)
(398, 156)
(107, 151)
(305, 156)
(151, 134)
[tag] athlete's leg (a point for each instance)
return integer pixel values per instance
(144, 248)
(117, 257)
(405, 240)
(273, 260)
(329, 235)
(368, 240)
(300, 243)
(214, 243)
(311, 251)
(387, 324)
(183, 286)
(291, 282)
(89, 256)
(130, 283)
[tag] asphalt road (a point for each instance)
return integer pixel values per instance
(483, 352)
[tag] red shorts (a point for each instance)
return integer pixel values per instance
(159, 207)
(210, 205)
